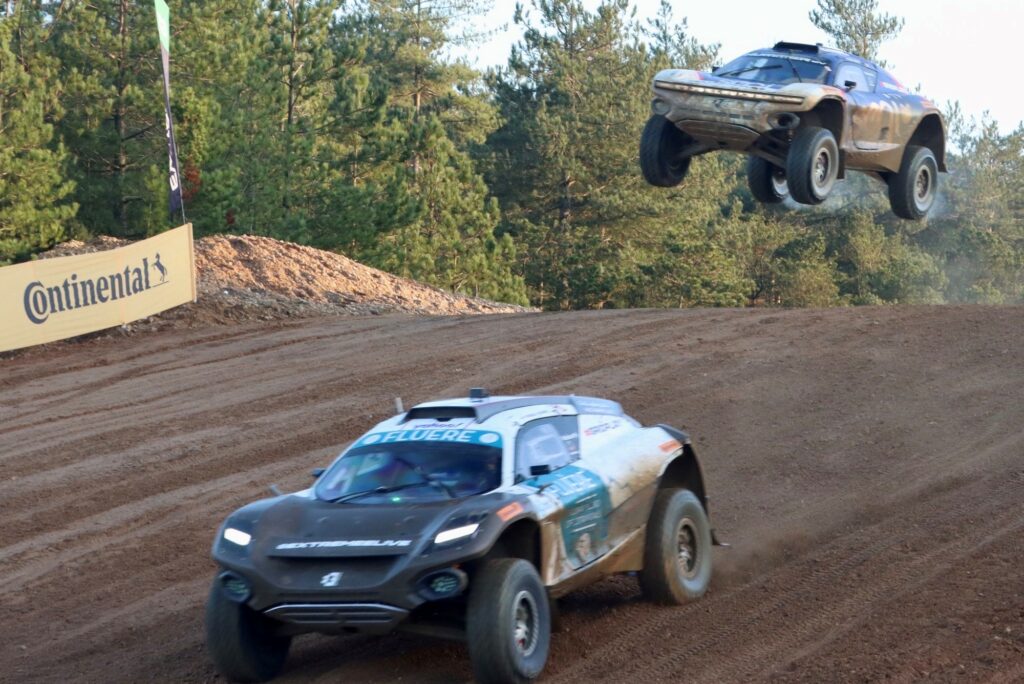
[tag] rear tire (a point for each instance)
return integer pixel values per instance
(508, 622)
(912, 191)
(660, 146)
(812, 165)
(677, 555)
(766, 180)
(242, 642)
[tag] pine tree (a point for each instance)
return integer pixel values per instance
(574, 98)
(113, 123)
(856, 25)
(34, 209)
(445, 234)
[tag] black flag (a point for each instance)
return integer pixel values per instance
(163, 24)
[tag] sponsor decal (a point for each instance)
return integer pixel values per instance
(587, 506)
(482, 437)
(331, 579)
(670, 446)
(342, 543)
(510, 511)
(602, 427)
(40, 300)
(52, 299)
(448, 424)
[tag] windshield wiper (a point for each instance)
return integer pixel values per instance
(427, 477)
(736, 72)
(378, 490)
(795, 72)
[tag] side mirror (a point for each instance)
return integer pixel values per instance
(317, 472)
(540, 470)
(850, 85)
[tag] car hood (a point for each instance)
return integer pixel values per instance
(299, 526)
(692, 77)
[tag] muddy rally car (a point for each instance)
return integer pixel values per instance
(463, 518)
(806, 115)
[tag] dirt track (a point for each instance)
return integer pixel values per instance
(868, 465)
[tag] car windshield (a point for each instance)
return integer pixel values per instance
(404, 472)
(775, 69)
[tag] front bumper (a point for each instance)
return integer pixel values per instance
(348, 593)
(371, 618)
(722, 117)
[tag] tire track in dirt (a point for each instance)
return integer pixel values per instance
(830, 440)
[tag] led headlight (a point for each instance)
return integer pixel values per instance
(456, 533)
(237, 536)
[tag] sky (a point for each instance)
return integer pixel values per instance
(966, 50)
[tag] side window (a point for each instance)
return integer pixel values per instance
(554, 442)
(852, 72)
(872, 79)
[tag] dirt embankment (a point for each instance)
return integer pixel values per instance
(245, 278)
(867, 464)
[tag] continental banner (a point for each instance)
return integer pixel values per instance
(53, 299)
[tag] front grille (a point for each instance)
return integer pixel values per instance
(338, 614)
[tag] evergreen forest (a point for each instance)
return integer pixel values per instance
(351, 125)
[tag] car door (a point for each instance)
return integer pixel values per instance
(547, 457)
(869, 113)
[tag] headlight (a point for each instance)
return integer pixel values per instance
(456, 533)
(237, 536)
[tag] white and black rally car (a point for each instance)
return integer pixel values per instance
(463, 518)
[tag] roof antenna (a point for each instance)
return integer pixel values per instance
(398, 405)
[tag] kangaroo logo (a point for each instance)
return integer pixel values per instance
(160, 267)
(331, 579)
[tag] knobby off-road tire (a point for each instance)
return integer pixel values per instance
(508, 622)
(660, 145)
(242, 642)
(812, 165)
(912, 191)
(677, 555)
(766, 180)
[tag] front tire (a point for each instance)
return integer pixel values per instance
(677, 555)
(661, 146)
(912, 191)
(508, 622)
(242, 643)
(812, 165)
(766, 180)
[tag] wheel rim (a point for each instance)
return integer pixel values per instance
(526, 629)
(822, 168)
(779, 184)
(924, 188)
(686, 548)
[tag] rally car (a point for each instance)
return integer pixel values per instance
(463, 518)
(805, 114)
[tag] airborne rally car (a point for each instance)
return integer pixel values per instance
(463, 518)
(805, 114)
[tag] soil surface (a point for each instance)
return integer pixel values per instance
(866, 464)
